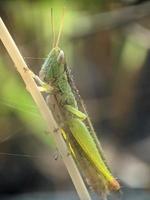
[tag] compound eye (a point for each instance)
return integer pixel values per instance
(61, 57)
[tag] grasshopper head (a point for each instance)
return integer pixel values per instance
(53, 66)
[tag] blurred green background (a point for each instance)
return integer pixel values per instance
(106, 44)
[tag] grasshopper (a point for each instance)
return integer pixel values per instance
(75, 125)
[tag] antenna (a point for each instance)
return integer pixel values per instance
(53, 28)
(61, 27)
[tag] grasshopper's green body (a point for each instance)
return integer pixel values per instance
(74, 123)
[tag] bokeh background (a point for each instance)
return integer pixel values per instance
(107, 46)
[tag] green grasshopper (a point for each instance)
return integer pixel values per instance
(70, 113)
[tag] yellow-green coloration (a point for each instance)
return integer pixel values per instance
(84, 138)
(54, 72)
